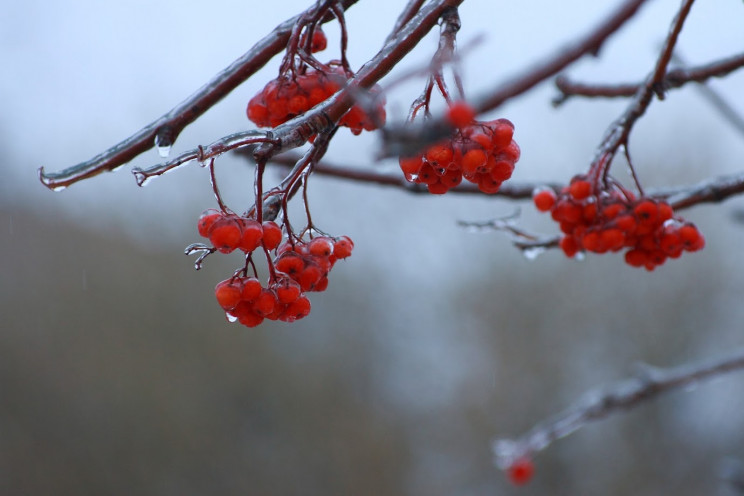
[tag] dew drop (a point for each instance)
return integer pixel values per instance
(533, 252)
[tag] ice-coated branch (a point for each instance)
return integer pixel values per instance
(617, 134)
(648, 384)
(674, 79)
(163, 131)
(410, 139)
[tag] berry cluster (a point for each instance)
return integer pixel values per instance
(229, 231)
(484, 153)
(293, 94)
(602, 220)
(298, 267)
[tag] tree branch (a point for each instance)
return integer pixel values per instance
(167, 128)
(674, 79)
(625, 395)
(402, 140)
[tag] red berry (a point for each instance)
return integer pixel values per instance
(296, 310)
(228, 293)
(251, 289)
(544, 199)
(290, 263)
(206, 219)
(520, 471)
(226, 233)
(265, 303)
(342, 247)
(252, 234)
(460, 114)
(287, 290)
(272, 234)
(321, 246)
(580, 189)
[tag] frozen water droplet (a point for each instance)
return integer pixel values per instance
(142, 178)
(231, 317)
(580, 256)
(59, 188)
(533, 252)
(164, 139)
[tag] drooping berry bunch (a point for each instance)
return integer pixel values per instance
(484, 153)
(295, 93)
(297, 267)
(612, 219)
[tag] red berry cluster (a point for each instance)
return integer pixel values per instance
(297, 268)
(602, 220)
(229, 231)
(293, 94)
(484, 153)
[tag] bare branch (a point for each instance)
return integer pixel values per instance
(674, 79)
(397, 139)
(625, 395)
(166, 129)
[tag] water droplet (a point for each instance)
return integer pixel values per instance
(231, 317)
(532, 252)
(59, 188)
(580, 256)
(164, 141)
(141, 178)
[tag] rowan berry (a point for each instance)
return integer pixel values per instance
(272, 234)
(580, 189)
(252, 234)
(226, 233)
(521, 471)
(296, 310)
(544, 199)
(342, 247)
(286, 290)
(265, 303)
(251, 289)
(460, 114)
(206, 219)
(228, 293)
(321, 246)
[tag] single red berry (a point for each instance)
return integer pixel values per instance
(309, 277)
(290, 263)
(342, 247)
(569, 245)
(265, 303)
(437, 188)
(321, 246)
(503, 131)
(411, 166)
(287, 290)
(206, 220)
(520, 471)
(251, 289)
(296, 310)
(228, 293)
(544, 199)
(246, 316)
(440, 155)
(460, 114)
(272, 234)
(580, 189)
(636, 257)
(252, 234)
(226, 233)
(473, 161)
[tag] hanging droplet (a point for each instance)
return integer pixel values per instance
(164, 139)
(532, 252)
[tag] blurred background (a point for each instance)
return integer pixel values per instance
(120, 375)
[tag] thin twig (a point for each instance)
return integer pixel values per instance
(167, 128)
(675, 78)
(618, 397)
(401, 140)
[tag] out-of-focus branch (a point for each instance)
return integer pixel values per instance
(401, 140)
(651, 382)
(674, 79)
(617, 134)
(164, 131)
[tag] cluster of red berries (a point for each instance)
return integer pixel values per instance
(293, 94)
(229, 231)
(484, 153)
(297, 268)
(601, 220)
